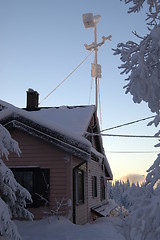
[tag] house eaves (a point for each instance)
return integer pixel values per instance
(66, 144)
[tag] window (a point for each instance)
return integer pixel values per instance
(36, 181)
(94, 186)
(102, 186)
(79, 186)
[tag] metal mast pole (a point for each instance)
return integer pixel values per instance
(91, 21)
(95, 59)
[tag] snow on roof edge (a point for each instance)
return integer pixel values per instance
(10, 109)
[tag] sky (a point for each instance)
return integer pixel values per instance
(42, 42)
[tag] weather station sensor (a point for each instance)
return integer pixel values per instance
(95, 70)
(88, 20)
(91, 21)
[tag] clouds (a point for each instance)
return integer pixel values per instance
(134, 178)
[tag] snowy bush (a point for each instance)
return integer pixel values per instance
(61, 206)
(13, 195)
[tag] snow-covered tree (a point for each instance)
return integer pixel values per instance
(143, 217)
(143, 220)
(126, 194)
(117, 191)
(141, 64)
(141, 60)
(12, 195)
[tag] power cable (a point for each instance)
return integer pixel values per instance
(67, 76)
(132, 152)
(126, 124)
(121, 135)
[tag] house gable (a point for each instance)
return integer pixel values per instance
(92, 129)
(40, 123)
(52, 137)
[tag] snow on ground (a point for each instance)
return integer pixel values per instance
(63, 229)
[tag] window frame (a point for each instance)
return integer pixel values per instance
(80, 187)
(94, 187)
(40, 178)
(102, 189)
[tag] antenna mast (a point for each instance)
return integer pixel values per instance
(91, 21)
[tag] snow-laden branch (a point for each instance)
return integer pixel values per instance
(137, 5)
(141, 62)
(7, 227)
(153, 14)
(153, 173)
(12, 195)
(7, 144)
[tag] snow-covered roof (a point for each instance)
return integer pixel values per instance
(71, 121)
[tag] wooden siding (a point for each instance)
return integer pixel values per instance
(96, 169)
(83, 211)
(36, 152)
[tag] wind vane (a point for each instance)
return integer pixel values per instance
(91, 21)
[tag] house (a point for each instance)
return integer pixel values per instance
(62, 164)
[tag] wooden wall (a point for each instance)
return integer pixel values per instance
(37, 153)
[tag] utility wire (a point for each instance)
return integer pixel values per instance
(132, 152)
(67, 76)
(121, 135)
(126, 124)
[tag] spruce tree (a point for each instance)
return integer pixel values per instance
(12, 195)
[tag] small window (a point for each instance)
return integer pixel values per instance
(36, 181)
(102, 186)
(79, 186)
(94, 186)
